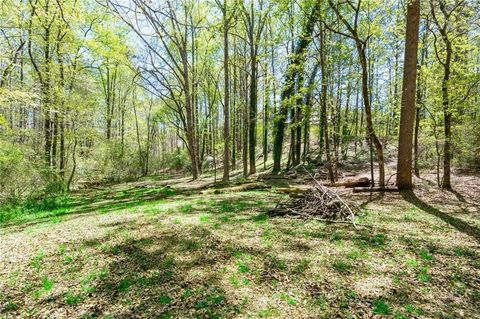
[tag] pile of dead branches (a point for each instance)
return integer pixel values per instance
(320, 203)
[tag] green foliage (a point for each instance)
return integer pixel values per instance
(342, 266)
(72, 299)
(178, 160)
(381, 307)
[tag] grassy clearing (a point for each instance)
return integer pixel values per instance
(162, 254)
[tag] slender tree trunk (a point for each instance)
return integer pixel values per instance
(252, 127)
(323, 101)
(368, 113)
(420, 89)
(226, 103)
(266, 114)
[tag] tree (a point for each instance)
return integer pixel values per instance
(407, 114)
(295, 64)
(361, 46)
(227, 19)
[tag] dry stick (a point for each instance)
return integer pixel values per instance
(388, 180)
(335, 194)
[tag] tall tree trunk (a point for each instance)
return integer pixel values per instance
(226, 103)
(323, 102)
(407, 112)
(368, 114)
(252, 127)
(266, 115)
(420, 102)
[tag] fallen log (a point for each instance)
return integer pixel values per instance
(239, 188)
(292, 192)
(375, 189)
(350, 183)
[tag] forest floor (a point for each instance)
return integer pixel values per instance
(170, 249)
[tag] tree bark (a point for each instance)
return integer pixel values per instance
(407, 112)
(226, 102)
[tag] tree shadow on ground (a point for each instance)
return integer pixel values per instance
(167, 274)
(456, 222)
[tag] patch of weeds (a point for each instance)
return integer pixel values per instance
(425, 255)
(235, 281)
(423, 275)
(242, 267)
(260, 218)
(152, 211)
(47, 284)
(397, 279)
(62, 248)
(210, 301)
(273, 262)
(191, 245)
(72, 299)
(168, 262)
(342, 266)
(355, 255)
(302, 266)
(267, 233)
(37, 261)
(187, 293)
(226, 207)
(87, 282)
(320, 300)
(337, 236)
(269, 312)
(204, 218)
(413, 310)
(224, 219)
(165, 300)
(376, 241)
(11, 306)
(289, 299)
(412, 262)
(12, 280)
(55, 219)
(464, 252)
(381, 307)
(315, 234)
(115, 250)
(67, 260)
(124, 285)
(408, 217)
(352, 294)
(186, 209)
(459, 286)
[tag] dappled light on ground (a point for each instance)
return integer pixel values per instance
(167, 252)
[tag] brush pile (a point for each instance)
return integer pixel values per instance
(320, 203)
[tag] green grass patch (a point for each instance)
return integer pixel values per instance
(341, 265)
(381, 307)
(425, 255)
(165, 300)
(186, 209)
(288, 299)
(73, 299)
